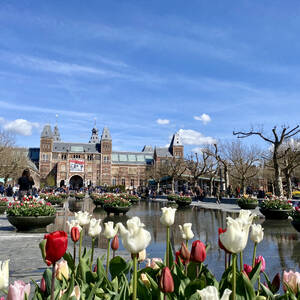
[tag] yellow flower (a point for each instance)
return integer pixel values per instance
(62, 270)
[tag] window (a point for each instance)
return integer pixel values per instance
(90, 157)
(132, 182)
(114, 182)
(123, 181)
(76, 155)
(64, 156)
(45, 157)
(105, 159)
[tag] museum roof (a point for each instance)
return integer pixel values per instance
(131, 158)
(76, 147)
(162, 152)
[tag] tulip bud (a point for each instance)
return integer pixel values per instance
(142, 255)
(43, 285)
(62, 270)
(276, 283)
(115, 243)
(178, 257)
(263, 263)
(220, 230)
(145, 280)
(95, 269)
(198, 253)
(166, 282)
(184, 252)
(247, 269)
(75, 234)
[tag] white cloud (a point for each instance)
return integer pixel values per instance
(193, 137)
(162, 121)
(197, 149)
(21, 127)
(204, 118)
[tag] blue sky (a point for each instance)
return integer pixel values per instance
(147, 69)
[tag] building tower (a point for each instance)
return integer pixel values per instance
(106, 150)
(94, 137)
(56, 134)
(176, 147)
(46, 145)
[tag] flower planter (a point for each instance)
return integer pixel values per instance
(183, 203)
(2, 209)
(296, 224)
(248, 205)
(29, 223)
(79, 198)
(116, 210)
(276, 214)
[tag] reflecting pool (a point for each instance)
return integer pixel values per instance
(280, 247)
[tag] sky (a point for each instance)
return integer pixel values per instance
(147, 69)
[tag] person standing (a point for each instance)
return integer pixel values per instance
(25, 183)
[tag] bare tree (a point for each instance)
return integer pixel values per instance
(155, 172)
(197, 165)
(242, 161)
(289, 162)
(276, 142)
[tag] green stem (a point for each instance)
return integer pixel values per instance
(258, 283)
(226, 265)
(74, 254)
(254, 255)
(233, 276)
(200, 269)
(241, 262)
(92, 255)
(53, 281)
(80, 242)
(107, 257)
(168, 246)
(134, 276)
(187, 243)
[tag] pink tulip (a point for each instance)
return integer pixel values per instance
(247, 269)
(17, 290)
(43, 285)
(292, 279)
(263, 263)
(2, 298)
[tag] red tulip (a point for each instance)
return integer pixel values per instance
(198, 253)
(220, 230)
(115, 243)
(43, 285)
(247, 269)
(276, 283)
(56, 246)
(75, 234)
(184, 252)
(166, 282)
(178, 257)
(263, 262)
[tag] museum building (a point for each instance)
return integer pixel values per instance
(95, 163)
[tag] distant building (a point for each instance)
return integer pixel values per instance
(95, 163)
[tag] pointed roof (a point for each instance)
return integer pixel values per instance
(94, 137)
(176, 140)
(148, 148)
(105, 134)
(47, 132)
(56, 134)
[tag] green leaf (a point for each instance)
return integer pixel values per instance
(192, 270)
(267, 292)
(92, 293)
(117, 266)
(255, 273)
(69, 258)
(192, 287)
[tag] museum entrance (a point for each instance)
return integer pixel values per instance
(76, 182)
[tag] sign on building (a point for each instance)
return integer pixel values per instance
(76, 165)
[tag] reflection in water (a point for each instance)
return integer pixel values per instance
(280, 247)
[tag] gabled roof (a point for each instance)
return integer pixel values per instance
(148, 148)
(75, 147)
(162, 152)
(47, 132)
(176, 140)
(105, 134)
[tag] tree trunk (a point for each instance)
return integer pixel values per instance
(211, 186)
(243, 186)
(289, 189)
(226, 177)
(157, 188)
(173, 183)
(278, 181)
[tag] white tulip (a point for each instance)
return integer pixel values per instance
(109, 230)
(186, 231)
(94, 228)
(4, 274)
(246, 217)
(83, 218)
(257, 233)
(74, 223)
(211, 293)
(236, 236)
(135, 238)
(168, 216)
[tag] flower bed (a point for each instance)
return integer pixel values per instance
(180, 200)
(246, 202)
(3, 205)
(98, 199)
(116, 204)
(79, 196)
(55, 199)
(276, 208)
(131, 198)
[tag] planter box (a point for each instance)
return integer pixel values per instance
(247, 205)
(183, 203)
(296, 224)
(29, 223)
(276, 214)
(116, 210)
